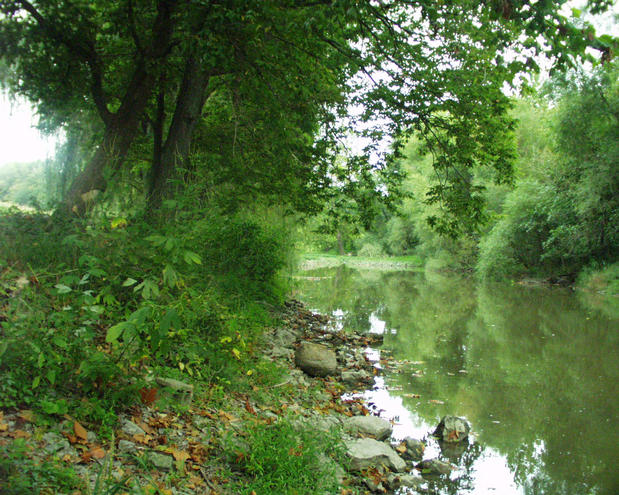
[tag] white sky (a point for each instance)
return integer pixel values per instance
(20, 142)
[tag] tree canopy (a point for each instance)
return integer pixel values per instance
(262, 97)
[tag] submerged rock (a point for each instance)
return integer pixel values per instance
(315, 359)
(414, 449)
(356, 376)
(372, 426)
(366, 452)
(452, 429)
(434, 467)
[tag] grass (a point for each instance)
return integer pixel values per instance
(284, 460)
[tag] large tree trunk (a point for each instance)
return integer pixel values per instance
(121, 127)
(175, 152)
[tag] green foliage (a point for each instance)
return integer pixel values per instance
(283, 459)
(601, 279)
(20, 474)
(563, 213)
(24, 184)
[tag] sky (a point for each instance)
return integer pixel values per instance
(20, 142)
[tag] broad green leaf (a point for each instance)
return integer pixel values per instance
(129, 282)
(63, 289)
(114, 332)
(170, 276)
(51, 376)
(60, 341)
(192, 258)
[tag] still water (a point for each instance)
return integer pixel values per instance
(535, 370)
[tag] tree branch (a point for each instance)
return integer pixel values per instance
(82, 49)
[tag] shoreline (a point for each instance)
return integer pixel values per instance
(207, 446)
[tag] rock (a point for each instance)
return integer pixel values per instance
(434, 467)
(126, 446)
(130, 428)
(373, 486)
(315, 359)
(366, 452)
(91, 437)
(58, 445)
(452, 429)
(372, 426)
(414, 449)
(333, 467)
(352, 377)
(160, 461)
(396, 481)
(179, 391)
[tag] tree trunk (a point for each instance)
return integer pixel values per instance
(121, 127)
(340, 243)
(188, 110)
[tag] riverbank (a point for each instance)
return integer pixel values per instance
(204, 438)
(396, 263)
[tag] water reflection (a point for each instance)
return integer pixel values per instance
(533, 369)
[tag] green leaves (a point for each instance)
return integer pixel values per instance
(130, 327)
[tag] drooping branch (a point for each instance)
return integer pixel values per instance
(80, 47)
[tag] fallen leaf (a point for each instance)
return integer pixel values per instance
(145, 427)
(26, 415)
(144, 439)
(249, 408)
(434, 401)
(179, 455)
(80, 431)
(97, 452)
(148, 395)
(453, 435)
(20, 434)
(401, 448)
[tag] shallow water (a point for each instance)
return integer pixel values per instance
(534, 370)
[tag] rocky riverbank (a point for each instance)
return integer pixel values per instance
(181, 441)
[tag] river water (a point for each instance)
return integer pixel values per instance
(535, 370)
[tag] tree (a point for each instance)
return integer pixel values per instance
(433, 67)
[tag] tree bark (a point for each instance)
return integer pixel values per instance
(122, 126)
(190, 100)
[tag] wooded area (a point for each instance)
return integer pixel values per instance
(208, 141)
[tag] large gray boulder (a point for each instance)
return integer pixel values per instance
(371, 426)
(315, 359)
(367, 452)
(452, 429)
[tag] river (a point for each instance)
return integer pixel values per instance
(533, 369)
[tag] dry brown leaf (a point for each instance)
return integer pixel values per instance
(26, 415)
(144, 439)
(20, 434)
(179, 455)
(401, 448)
(97, 452)
(249, 408)
(145, 427)
(148, 395)
(80, 431)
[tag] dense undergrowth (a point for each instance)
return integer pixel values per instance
(90, 309)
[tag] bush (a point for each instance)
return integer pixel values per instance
(371, 250)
